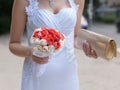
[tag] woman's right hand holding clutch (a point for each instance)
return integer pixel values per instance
(88, 50)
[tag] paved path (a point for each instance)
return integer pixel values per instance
(94, 74)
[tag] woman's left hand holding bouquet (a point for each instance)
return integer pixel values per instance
(40, 60)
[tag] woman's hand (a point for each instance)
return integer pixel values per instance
(88, 50)
(40, 60)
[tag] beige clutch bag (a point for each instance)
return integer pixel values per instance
(104, 46)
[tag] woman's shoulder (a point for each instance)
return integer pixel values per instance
(21, 3)
(79, 2)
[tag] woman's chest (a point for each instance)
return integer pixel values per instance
(64, 20)
(64, 15)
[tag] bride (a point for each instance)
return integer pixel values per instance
(64, 16)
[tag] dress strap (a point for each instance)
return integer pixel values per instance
(31, 1)
(73, 4)
(33, 4)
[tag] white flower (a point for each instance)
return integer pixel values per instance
(38, 29)
(34, 40)
(36, 50)
(62, 42)
(43, 42)
(51, 49)
(45, 49)
(37, 41)
(39, 48)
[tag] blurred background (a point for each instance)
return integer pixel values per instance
(101, 16)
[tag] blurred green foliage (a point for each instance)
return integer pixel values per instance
(96, 4)
(110, 18)
(5, 15)
(4, 24)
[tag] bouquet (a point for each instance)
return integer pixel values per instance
(46, 41)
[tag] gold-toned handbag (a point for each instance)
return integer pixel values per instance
(104, 46)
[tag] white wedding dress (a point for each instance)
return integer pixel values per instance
(61, 70)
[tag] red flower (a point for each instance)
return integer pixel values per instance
(51, 31)
(55, 34)
(50, 40)
(62, 36)
(44, 31)
(37, 34)
(57, 38)
(43, 36)
(44, 28)
(57, 45)
(52, 36)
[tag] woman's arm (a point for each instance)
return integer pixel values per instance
(18, 23)
(82, 45)
(78, 23)
(17, 28)
(79, 15)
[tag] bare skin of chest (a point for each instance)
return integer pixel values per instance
(56, 6)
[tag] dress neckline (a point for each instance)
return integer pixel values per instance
(62, 9)
(55, 14)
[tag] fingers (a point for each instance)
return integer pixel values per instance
(40, 60)
(88, 50)
(93, 54)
